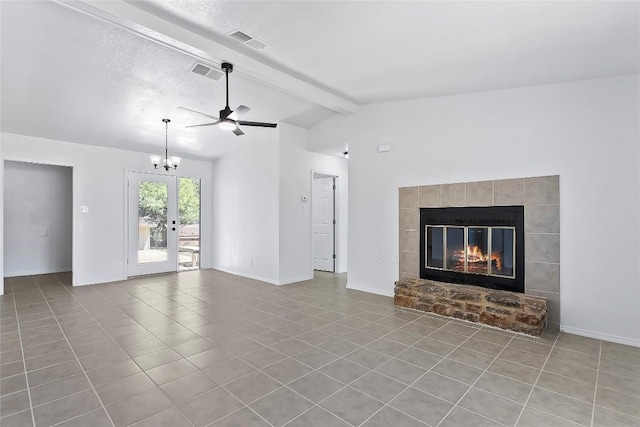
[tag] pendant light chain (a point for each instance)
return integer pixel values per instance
(166, 138)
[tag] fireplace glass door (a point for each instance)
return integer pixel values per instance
(502, 252)
(455, 248)
(475, 250)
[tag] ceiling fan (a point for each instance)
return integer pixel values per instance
(229, 119)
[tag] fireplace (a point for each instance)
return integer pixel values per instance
(481, 246)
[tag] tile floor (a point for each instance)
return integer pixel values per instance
(205, 348)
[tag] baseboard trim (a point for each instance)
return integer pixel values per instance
(296, 280)
(37, 273)
(369, 290)
(600, 336)
(248, 276)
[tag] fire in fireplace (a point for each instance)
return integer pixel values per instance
(482, 246)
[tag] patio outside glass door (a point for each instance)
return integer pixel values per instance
(153, 224)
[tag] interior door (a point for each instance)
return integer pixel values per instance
(322, 217)
(153, 215)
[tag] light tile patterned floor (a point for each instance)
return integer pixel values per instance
(207, 348)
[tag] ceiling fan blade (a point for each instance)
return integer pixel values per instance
(198, 112)
(238, 131)
(238, 112)
(204, 124)
(258, 124)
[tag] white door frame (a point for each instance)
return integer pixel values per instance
(171, 264)
(336, 210)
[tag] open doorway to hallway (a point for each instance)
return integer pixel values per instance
(38, 219)
(323, 222)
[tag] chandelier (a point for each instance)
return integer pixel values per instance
(167, 162)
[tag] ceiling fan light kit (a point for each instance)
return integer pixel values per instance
(229, 119)
(167, 162)
(227, 125)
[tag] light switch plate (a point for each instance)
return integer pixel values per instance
(84, 209)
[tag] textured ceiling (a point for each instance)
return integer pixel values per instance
(68, 75)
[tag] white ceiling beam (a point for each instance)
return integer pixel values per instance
(209, 47)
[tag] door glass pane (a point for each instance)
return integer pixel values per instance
(502, 262)
(435, 250)
(152, 222)
(189, 212)
(477, 250)
(455, 248)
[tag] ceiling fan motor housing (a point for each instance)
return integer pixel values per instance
(227, 67)
(225, 113)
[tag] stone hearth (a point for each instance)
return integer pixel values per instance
(506, 310)
(540, 197)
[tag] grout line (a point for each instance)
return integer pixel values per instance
(75, 355)
(76, 417)
(306, 300)
(475, 382)
(24, 364)
(122, 349)
(536, 382)
(425, 373)
(595, 391)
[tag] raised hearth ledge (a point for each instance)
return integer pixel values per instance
(503, 309)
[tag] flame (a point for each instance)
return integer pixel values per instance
(474, 254)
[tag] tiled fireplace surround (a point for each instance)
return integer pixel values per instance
(541, 199)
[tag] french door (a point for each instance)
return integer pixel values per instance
(153, 224)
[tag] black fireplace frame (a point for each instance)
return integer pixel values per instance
(492, 216)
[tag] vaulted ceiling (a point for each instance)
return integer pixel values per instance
(107, 72)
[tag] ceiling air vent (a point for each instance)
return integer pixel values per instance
(248, 40)
(256, 44)
(240, 36)
(201, 69)
(207, 71)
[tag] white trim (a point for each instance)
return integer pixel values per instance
(600, 336)
(248, 276)
(37, 272)
(125, 251)
(337, 266)
(296, 279)
(369, 290)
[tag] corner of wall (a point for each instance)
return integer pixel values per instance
(1, 221)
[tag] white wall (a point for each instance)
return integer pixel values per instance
(38, 211)
(296, 166)
(260, 228)
(246, 212)
(587, 132)
(100, 182)
(1, 221)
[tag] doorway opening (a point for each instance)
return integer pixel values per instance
(323, 222)
(164, 224)
(38, 219)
